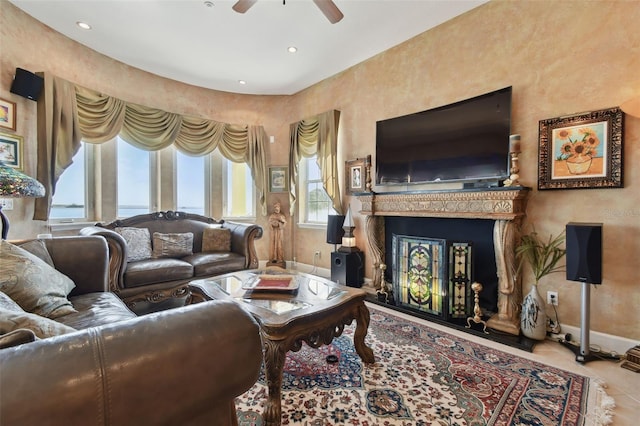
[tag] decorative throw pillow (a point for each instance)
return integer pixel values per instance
(138, 242)
(39, 248)
(172, 245)
(31, 283)
(41, 326)
(216, 239)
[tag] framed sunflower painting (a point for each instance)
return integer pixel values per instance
(581, 151)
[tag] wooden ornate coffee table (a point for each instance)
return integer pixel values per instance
(314, 313)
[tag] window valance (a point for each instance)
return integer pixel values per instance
(69, 114)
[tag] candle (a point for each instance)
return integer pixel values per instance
(514, 143)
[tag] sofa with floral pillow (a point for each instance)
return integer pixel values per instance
(72, 352)
(154, 256)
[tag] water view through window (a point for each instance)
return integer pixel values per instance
(134, 187)
(69, 200)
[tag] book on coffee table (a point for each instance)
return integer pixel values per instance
(271, 283)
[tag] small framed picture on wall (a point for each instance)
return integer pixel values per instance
(11, 150)
(7, 115)
(278, 179)
(355, 174)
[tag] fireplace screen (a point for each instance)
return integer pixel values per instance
(419, 273)
(432, 275)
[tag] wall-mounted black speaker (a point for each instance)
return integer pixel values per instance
(27, 84)
(334, 229)
(584, 252)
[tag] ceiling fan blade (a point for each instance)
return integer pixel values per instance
(243, 5)
(330, 10)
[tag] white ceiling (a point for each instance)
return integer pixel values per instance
(215, 47)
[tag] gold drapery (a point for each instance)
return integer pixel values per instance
(311, 136)
(69, 114)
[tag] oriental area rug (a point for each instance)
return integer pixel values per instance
(424, 376)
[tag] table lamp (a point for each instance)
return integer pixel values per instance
(15, 184)
(348, 240)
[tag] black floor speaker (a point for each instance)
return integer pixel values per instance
(347, 268)
(584, 252)
(27, 84)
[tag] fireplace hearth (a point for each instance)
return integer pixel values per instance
(487, 219)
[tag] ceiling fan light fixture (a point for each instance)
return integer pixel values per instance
(327, 7)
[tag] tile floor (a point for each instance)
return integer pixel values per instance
(620, 384)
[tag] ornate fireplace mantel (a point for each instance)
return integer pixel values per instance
(506, 206)
(496, 204)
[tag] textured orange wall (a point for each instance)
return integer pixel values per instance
(561, 57)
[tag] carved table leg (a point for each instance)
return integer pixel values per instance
(274, 356)
(362, 325)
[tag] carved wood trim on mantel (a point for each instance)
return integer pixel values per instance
(496, 204)
(506, 206)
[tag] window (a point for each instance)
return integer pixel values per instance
(239, 191)
(190, 183)
(134, 186)
(69, 202)
(314, 200)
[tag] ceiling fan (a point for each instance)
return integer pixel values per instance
(327, 7)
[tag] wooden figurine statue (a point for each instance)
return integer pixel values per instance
(277, 221)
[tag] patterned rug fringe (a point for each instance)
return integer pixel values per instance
(601, 405)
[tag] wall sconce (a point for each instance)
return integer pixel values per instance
(15, 184)
(348, 240)
(632, 107)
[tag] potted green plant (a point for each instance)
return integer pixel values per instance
(543, 258)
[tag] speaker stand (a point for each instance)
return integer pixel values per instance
(582, 352)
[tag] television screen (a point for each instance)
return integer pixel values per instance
(464, 141)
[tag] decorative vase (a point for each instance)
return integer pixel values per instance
(533, 321)
(579, 164)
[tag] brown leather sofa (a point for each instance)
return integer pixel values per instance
(154, 284)
(183, 366)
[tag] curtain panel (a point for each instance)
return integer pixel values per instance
(69, 114)
(311, 136)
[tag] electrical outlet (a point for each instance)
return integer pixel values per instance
(552, 298)
(318, 254)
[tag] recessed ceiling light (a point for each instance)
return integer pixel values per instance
(292, 49)
(83, 25)
(242, 82)
(208, 3)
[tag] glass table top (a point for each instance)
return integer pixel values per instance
(311, 289)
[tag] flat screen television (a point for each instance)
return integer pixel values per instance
(467, 141)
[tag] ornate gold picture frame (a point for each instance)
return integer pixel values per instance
(581, 151)
(11, 147)
(7, 114)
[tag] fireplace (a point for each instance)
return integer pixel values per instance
(486, 219)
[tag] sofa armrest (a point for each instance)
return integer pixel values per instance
(243, 236)
(182, 366)
(84, 259)
(118, 253)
